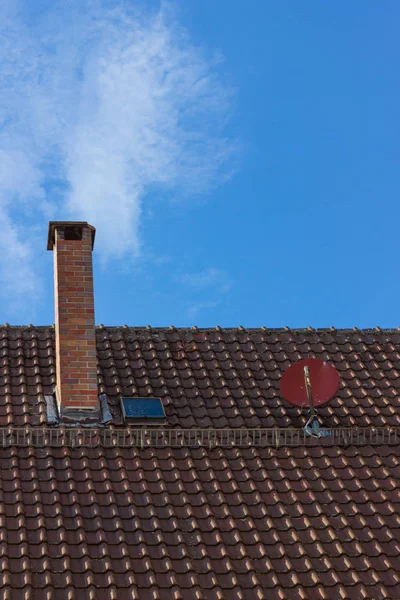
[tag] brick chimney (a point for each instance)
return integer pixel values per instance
(77, 390)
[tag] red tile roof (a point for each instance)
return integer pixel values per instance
(279, 517)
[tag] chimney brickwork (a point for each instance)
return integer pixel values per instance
(77, 388)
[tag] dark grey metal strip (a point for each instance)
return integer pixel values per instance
(51, 409)
(106, 416)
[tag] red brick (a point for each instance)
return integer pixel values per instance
(75, 328)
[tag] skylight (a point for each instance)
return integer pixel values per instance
(142, 410)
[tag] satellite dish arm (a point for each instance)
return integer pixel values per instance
(309, 391)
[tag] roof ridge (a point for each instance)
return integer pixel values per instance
(332, 329)
(241, 328)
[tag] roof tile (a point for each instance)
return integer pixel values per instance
(302, 522)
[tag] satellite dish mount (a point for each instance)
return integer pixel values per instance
(310, 383)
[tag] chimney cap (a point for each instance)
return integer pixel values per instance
(53, 225)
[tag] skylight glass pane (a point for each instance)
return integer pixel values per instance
(142, 409)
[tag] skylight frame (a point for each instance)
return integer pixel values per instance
(158, 419)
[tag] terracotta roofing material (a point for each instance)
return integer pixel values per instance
(203, 523)
(211, 378)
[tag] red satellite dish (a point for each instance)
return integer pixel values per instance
(310, 382)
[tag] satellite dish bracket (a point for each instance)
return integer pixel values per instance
(310, 383)
(307, 381)
(312, 427)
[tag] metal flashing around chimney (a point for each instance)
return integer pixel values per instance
(105, 413)
(78, 417)
(75, 416)
(51, 410)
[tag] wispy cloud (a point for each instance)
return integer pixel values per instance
(17, 280)
(195, 309)
(208, 278)
(100, 105)
(210, 287)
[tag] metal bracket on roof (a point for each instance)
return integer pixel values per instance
(213, 441)
(5, 438)
(106, 416)
(143, 438)
(51, 410)
(312, 427)
(277, 439)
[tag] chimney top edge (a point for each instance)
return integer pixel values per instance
(53, 225)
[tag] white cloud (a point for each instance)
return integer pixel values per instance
(18, 283)
(107, 104)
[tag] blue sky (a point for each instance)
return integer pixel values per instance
(239, 160)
